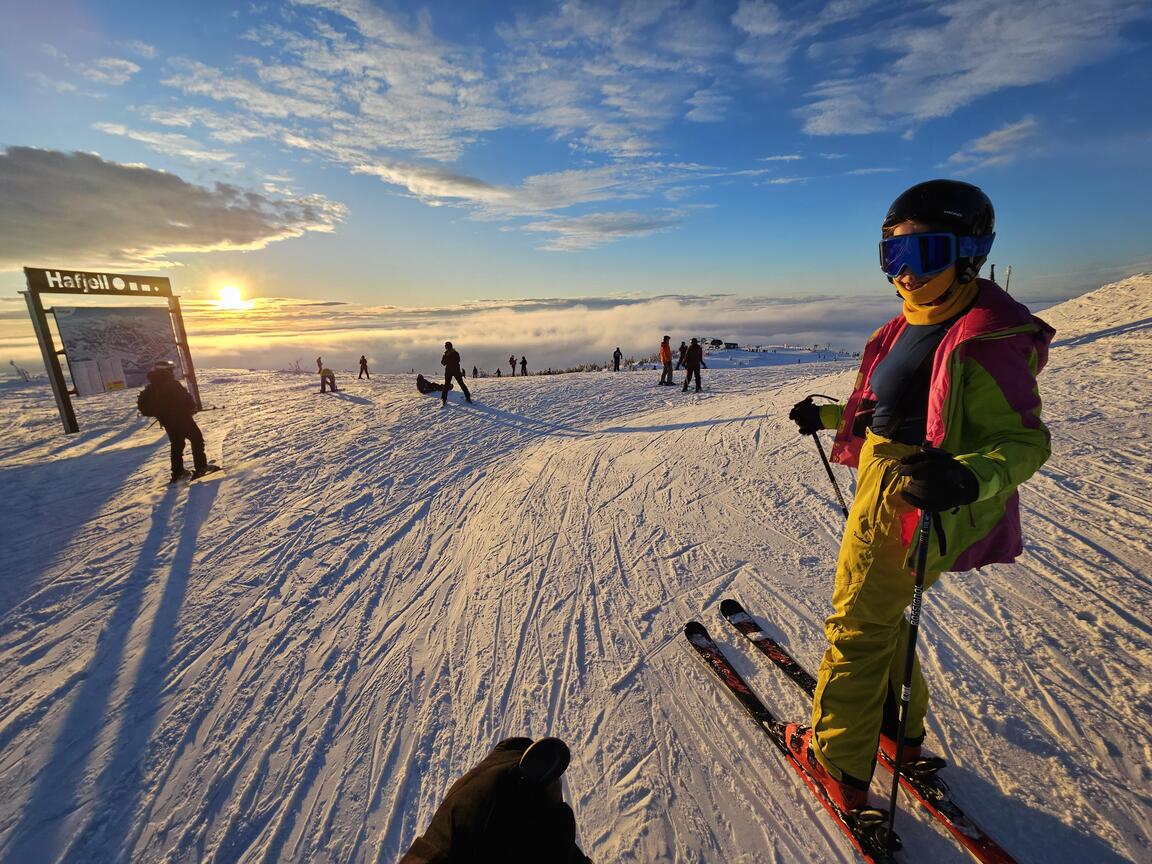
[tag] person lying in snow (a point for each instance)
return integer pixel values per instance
(426, 386)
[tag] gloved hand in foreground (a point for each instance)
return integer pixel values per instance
(806, 415)
(508, 808)
(938, 482)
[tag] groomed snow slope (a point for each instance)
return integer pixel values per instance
(291, 663)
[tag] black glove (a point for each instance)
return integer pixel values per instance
(508, 808)
(938, 481)
(806, 415)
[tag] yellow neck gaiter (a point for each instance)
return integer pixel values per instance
(934, 303)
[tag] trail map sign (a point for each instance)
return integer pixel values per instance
(106, 348)
(112, 349)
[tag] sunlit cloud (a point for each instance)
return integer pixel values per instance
(113, 71)
(999, 147)
(990, 47)
(134, 216)
(597, 229)
(169, 143)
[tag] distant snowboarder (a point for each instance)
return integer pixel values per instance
(693, 360)
(363, 368)
(166, 399)
(475, 373)
(509, 808)
(523, 365)
(683, 351)
(451, 363)
(319, 365)
(512, 363)
(327, 379)
(616, 355)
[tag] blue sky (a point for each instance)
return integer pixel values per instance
(439, 153)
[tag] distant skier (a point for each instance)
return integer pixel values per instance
(683, 351)
(363, 368)
(666, 361)
(475, 372)
(508, 809)
(319, 365)
(512, 363)
(327, 379)
(616, 355)
(165, 398)
(498, 374)
(451, 363)
(693, 359)
(957, 371)
(523, 365)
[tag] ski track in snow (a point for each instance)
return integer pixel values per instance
(292, 662)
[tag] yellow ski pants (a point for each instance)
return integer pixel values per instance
(867, 631)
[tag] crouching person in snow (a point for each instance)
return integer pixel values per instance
(944, 418)
(507, 809)
(327, 380)
(165, 398)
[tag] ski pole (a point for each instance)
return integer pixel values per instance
(909, 658)
(824, 459)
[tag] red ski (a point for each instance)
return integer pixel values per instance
(867, 829)
(920, 779)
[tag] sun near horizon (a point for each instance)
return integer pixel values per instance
(232, 298)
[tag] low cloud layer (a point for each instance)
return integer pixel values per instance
(79, 210)
(556, 333)
(551, 332)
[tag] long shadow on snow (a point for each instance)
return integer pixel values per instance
(48, 502)
(1130, 327)
(672, 427)
(548, 427)
(59, 786)
(122, 781)
(348, 397)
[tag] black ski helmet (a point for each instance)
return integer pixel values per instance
(946, 205)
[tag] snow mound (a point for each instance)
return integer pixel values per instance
(1122, 304)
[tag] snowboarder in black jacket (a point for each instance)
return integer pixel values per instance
(506, 810)
(451, 363)
(363, 368)
(166, 399)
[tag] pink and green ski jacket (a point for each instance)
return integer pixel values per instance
(984, 408)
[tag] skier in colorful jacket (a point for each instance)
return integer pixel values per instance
(944, 417)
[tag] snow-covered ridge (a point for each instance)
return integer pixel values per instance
(1117, 304)
(292, 663)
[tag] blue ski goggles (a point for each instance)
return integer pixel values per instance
(930, 253)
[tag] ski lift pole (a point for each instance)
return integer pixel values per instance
(1007, 277)
(923, 539)
(824, 459)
